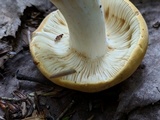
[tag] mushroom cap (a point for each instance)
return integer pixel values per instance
(127, 35)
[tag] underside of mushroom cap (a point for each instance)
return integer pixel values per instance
(127, 38)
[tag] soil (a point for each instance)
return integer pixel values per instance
(20, 75)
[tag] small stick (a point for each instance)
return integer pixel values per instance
(36, 101)
(158, 89)
(29, 35)
(157, 24)
(1, 75)
(31, 79)
(24, 108)
(12, 99)
(1, 118)
(63, 73)
(65, 110)
(91, 117)
(7, 113)
(24, 77)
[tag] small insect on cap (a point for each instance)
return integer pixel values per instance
(90, 45)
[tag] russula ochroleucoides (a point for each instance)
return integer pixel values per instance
(90, 45)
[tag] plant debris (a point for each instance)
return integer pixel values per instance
(31, 79)
(58, 38)
(24, 107)
(156, 25)
(18, 101)
(17, 107)
(65, 110)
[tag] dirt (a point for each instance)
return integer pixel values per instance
(134, 99)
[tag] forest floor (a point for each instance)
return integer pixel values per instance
(26, 94)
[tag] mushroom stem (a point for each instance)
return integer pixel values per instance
(85, 19)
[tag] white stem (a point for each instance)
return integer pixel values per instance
(86, 24)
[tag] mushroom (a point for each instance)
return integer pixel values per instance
(90, 45)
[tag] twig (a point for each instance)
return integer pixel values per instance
(29, 36)
(13, 99)
(31, 79)
(158, 89)
(7, 113)
(36, 101)
(1, 75)
(63, 73)
(24, 108)
(1, 118)
(65, 110)
(24, 77)
(156, 25)
(30, 109)
(91, 117)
